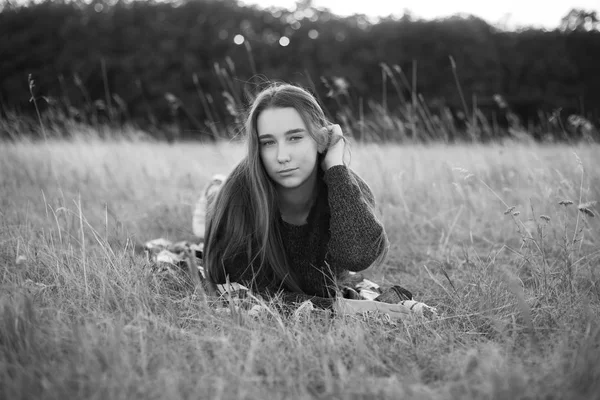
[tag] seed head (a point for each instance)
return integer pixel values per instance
(509, 210)
(230, 104)
(174, 102)
(461, 170)
(577, 121)
(545, 218)
(586, 208)
(49, 100)
(565, 202)
(452, 62)
(337, 86)
(579, 162)
(587, 212)
(516, 213)
(555, 115)
(500, 101)
(341, 84)
(77, 80)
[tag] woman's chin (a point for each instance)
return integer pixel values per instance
(288, 183)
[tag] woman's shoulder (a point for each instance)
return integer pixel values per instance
(344, 172)
(342, 176)
(357, 177)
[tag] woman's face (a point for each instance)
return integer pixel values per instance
(287, 150)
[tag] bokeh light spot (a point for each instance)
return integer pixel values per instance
(238, 39)
(284, 41)
(313, 34)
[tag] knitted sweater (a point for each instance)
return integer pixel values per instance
(341, 235)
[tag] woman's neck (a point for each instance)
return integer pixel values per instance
(295, 203)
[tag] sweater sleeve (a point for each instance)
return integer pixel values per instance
(357, 236)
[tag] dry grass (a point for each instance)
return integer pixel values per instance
(518, 292)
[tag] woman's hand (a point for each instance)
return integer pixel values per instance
(335, 153)
(351, 307)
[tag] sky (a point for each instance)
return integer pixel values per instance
(509, 14)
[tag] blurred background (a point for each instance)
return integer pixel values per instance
(402, 71)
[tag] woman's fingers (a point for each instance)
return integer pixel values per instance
(335, 129)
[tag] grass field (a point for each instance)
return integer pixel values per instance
(517, 288)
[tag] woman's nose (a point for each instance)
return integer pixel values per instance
(283, 154)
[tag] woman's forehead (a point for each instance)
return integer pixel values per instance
(278, 121)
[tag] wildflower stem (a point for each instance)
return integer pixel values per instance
(580, 198)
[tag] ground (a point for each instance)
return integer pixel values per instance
(478, 231)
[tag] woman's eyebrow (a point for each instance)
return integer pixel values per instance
(297, 130)
(290, 132)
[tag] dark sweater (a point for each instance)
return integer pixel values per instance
(341, 235)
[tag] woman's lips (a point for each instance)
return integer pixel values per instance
(287, 171)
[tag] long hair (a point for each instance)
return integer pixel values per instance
(244, 221)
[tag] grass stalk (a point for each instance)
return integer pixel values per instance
(205, 106)
(248, 48)
(394, 82)
(413, 96)
(33, 99)
(107, 97)
(474, 125)
(82, 247)
(361, 116)
(315, 92)
(459, 87)
(384, 90)
(88, 100)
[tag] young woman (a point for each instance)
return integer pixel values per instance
(292, 219)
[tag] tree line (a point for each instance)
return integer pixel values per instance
(195, 64)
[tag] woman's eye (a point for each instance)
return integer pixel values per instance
(294, 138)
(267, 143)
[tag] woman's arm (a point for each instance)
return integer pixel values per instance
(238, 270)
(357, 236)
(295, 299)
(244, 276)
